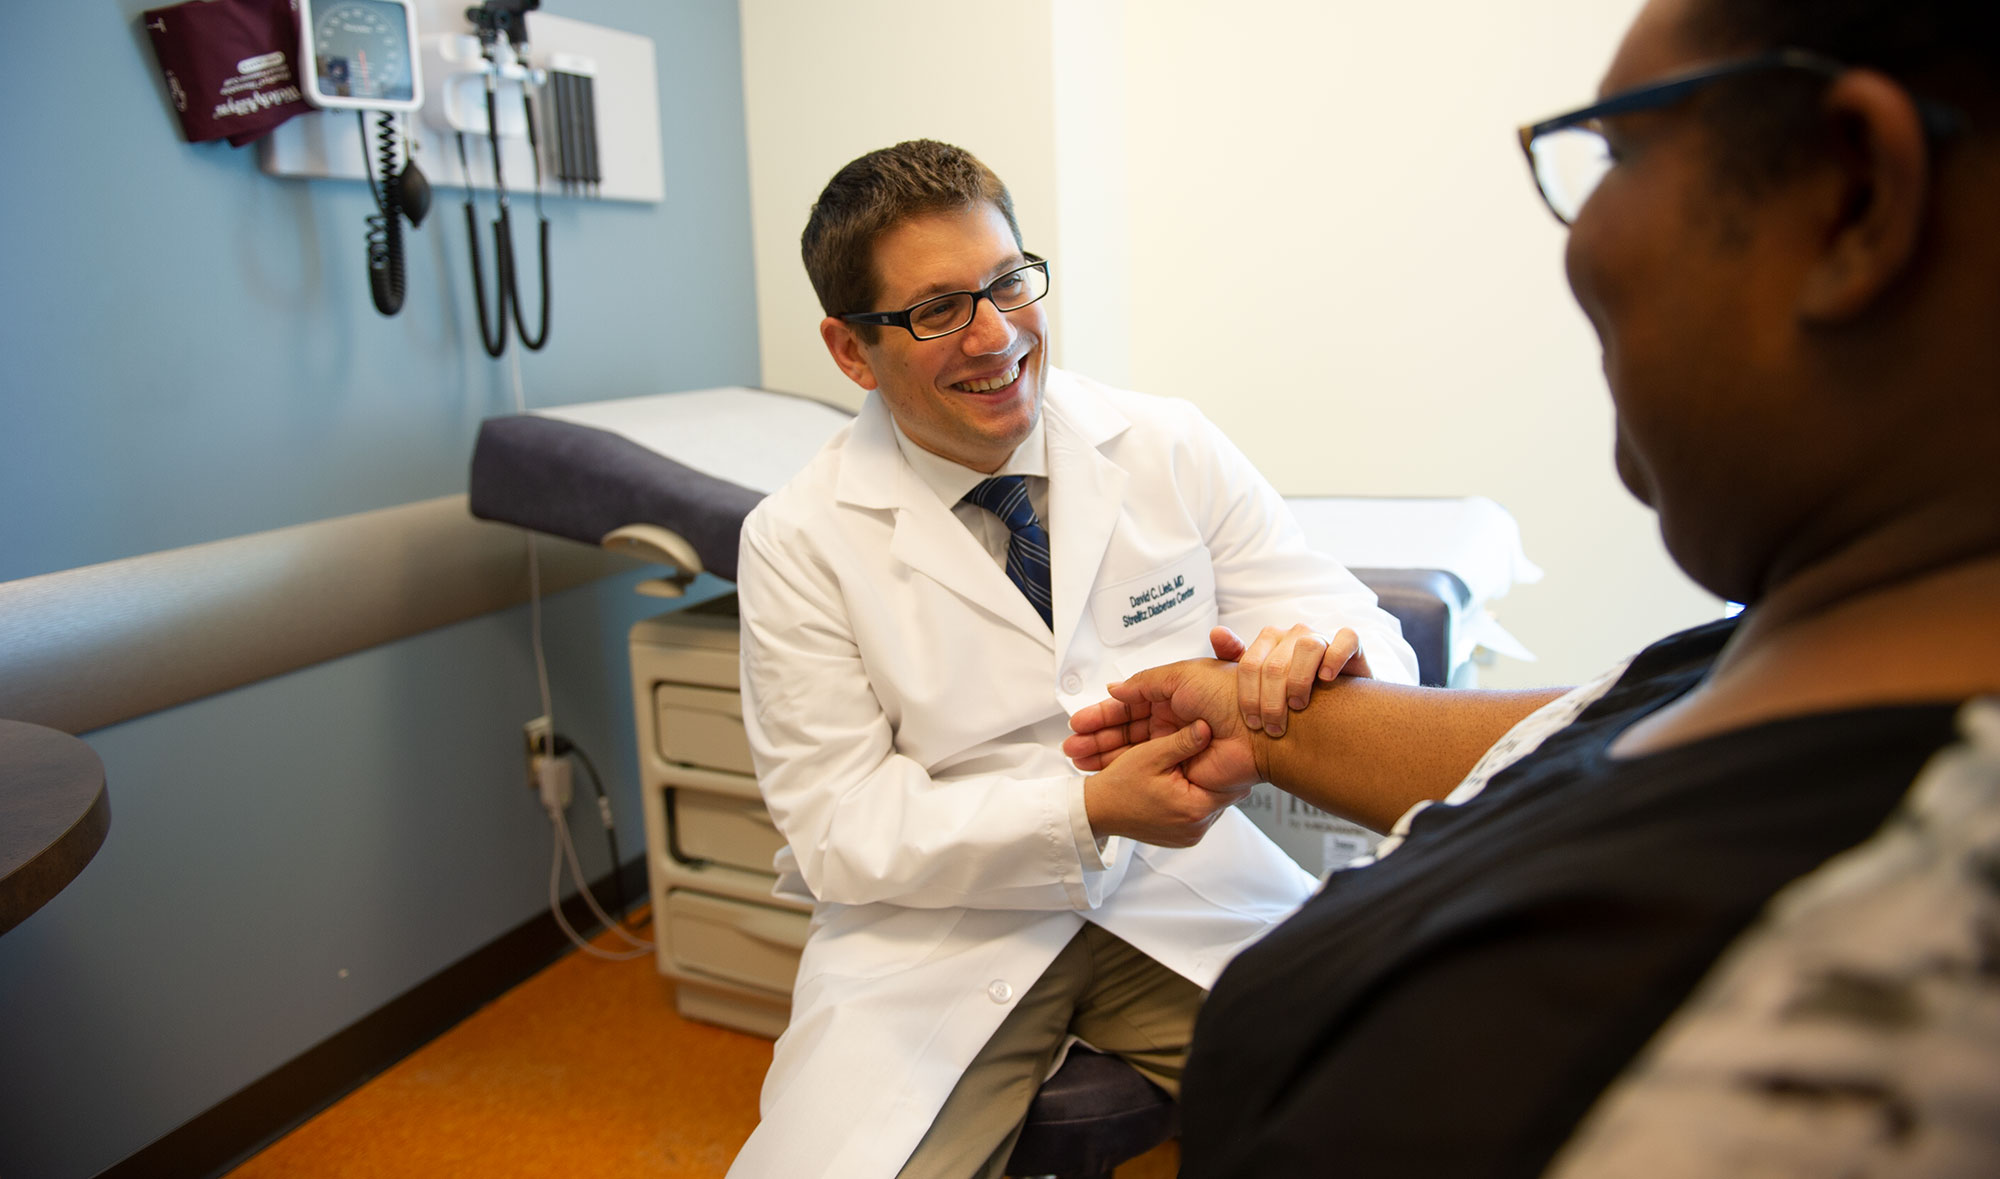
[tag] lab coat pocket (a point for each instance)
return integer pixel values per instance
(1164, 599)
(1260, 881)
(1160, 616)
(872, 941)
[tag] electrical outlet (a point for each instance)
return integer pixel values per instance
(537, 742)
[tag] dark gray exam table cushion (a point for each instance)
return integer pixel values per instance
(582, 482)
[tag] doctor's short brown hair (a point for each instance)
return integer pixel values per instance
(873, 195)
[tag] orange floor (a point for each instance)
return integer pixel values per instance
(583, 1070)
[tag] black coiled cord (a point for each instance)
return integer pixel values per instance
(506, 278)
(492, 328)
(385, 227)
(531, 342)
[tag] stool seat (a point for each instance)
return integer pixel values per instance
(1093, 1114)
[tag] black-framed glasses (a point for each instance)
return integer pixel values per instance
(1568, 154)
(941, 315)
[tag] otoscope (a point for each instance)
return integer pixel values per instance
(503, 38)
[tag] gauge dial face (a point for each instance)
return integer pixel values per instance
(361, 49)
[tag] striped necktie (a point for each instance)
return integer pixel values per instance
(1006, 496)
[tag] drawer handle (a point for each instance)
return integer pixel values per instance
(774, 928)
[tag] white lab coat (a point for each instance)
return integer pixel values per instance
(906, 705)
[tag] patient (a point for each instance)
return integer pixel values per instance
(1792, 262)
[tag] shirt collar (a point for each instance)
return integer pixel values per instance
(949, 481)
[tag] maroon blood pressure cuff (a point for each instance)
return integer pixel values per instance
(231, 65)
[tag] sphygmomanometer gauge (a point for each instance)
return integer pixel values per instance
(361, 54)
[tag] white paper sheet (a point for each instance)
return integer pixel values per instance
(748, 436)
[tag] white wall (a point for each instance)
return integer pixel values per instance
(1032, 88)
(1310, 218)
(824, 83)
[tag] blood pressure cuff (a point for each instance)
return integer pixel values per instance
(230, 66)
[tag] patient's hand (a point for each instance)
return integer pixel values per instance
(1162, 701)
(1275, 674)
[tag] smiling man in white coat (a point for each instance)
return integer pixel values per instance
(987, 545)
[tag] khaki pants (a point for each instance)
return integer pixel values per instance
(1099, 989)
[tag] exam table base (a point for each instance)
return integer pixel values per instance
(731, 948)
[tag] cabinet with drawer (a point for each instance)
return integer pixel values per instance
(730, 946)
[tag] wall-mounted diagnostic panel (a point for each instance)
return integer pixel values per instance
(594, 91)
(494, 99)
(510, 102)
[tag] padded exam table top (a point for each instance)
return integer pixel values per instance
(693, 463)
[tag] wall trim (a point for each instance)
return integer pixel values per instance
(90, 647)
(221, 1138)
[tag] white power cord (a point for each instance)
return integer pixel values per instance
(565, 848)
(534, 571)
(535, 633)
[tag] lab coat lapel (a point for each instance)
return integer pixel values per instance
(930, 540)
(927, 537)
(1086, 496)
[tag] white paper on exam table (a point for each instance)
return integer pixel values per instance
(752, 437)
(1472, 538)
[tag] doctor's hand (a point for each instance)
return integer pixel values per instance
(1146, 794)
(1167, 700)
(1275, 674)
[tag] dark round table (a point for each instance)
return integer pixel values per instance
(53, 815)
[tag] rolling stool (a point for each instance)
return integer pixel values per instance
(1094, 1113)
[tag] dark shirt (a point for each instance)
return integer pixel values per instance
(1454, 1009)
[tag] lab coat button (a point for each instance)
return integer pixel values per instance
(1072, 683)
(999, 991)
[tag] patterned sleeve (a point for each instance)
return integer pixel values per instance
(1855, 1030)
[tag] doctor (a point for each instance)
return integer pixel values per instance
(989, 543)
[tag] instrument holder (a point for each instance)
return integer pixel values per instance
(502, 30)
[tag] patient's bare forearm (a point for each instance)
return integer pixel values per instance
(1368, 751)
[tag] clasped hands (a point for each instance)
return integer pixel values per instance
(1175, 745)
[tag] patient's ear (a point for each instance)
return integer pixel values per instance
(848, 351)
(1882, 163)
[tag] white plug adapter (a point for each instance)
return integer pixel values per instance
(553, 777)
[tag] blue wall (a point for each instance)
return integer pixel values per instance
(190, 355)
